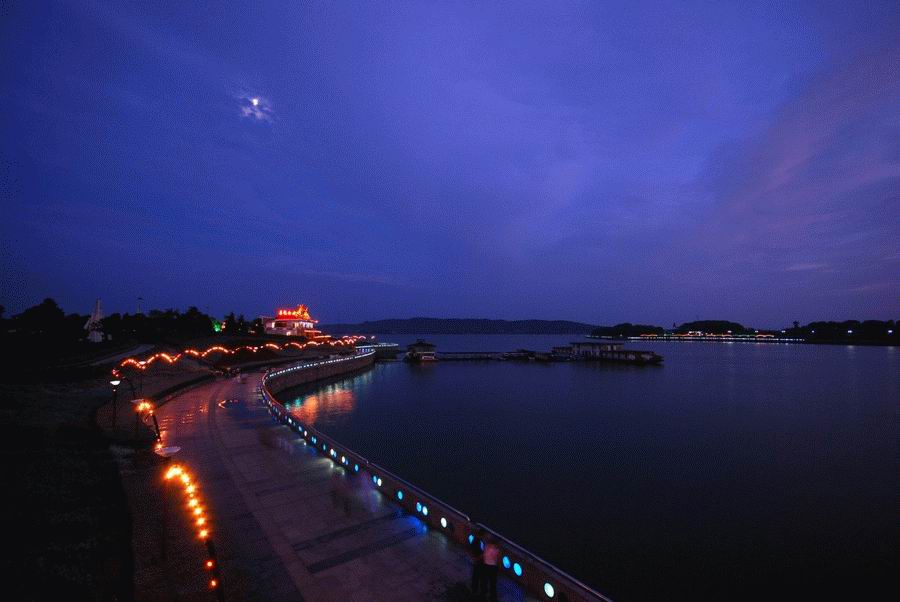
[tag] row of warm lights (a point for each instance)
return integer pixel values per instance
(196, 513)
(421, 508)
(171, 359)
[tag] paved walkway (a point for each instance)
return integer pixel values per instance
(289, 524)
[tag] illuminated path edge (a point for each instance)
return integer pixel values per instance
(537, 576)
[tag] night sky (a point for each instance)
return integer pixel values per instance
(590, 161)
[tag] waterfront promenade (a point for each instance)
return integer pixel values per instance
(289, 524)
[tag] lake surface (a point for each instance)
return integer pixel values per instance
(732, 471)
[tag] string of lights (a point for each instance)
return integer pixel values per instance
(133, 362)
(199, 518)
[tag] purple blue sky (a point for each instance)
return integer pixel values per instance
(601, 162)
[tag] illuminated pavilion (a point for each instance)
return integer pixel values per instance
(293, 323)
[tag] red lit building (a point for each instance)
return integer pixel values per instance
(293, 323)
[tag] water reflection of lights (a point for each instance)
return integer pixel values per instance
(330, 400)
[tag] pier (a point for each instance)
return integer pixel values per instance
(463, 356)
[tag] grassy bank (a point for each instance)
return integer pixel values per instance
(69, 531)
(68, 522)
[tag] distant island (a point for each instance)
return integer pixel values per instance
(866, 332)
(461, 326)
(627, 329)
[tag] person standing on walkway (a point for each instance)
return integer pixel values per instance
(475, 555)
(491, 558)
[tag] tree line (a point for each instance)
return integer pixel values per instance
(45, 330)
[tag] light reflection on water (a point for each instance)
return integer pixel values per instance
(331, 401)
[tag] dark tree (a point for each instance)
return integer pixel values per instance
(257, 327)
(230, 325)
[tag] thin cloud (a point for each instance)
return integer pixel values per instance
(807, 267)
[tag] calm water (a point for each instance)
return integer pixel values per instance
(732, 471)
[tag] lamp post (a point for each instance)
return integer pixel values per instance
(115, 385)
(141, 406)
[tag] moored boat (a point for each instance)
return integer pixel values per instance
(420, 352)
(614, 352)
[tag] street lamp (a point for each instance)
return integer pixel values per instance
(115, 385)
(143, 407)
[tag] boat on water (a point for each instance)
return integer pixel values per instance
(613, 352)
(420, 352)
(522, 355)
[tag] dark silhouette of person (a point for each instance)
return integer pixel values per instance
(490, 557)
(474, 550)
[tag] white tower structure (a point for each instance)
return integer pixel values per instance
(94, 325)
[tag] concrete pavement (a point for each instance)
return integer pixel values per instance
(291, 525)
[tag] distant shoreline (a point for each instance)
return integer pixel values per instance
(767, 341)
